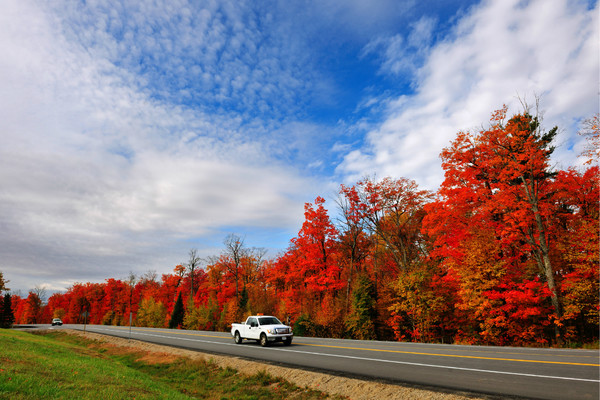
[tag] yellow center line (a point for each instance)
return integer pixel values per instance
(449, 355)
(184, 333)
(399, 351)
(521, 353)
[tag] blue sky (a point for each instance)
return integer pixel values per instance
(134, 131)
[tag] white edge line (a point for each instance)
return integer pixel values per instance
(375, 359)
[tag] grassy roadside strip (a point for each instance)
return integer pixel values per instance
(55, 365)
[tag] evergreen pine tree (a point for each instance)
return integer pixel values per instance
(177, 315)
(361, 321)
(6, 314)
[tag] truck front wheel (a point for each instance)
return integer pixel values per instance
(287, 341)
(263, 340)
(237, 338)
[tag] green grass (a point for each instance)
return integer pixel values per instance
(55, 365)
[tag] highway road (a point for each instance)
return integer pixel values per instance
(505, 371)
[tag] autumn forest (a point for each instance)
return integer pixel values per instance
(504, 253)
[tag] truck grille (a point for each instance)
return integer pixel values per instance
(283, 330)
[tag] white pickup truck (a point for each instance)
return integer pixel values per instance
(264, 329)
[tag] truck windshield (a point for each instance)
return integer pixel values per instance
(269, 321)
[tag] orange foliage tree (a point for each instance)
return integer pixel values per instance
(391, 212)
(505, 253)
(308, 277)
(496, 225)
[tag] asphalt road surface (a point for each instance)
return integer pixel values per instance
(505, 371)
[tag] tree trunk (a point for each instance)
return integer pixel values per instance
(543, 258)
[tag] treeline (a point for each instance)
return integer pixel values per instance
(504, 253)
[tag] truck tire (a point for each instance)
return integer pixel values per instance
(263, 340)
(237, 338)
(287, 341)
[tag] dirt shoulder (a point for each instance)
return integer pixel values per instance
(354, 389)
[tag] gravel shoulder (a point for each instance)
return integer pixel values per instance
(354, 389)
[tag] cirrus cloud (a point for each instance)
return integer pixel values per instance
(100, 173)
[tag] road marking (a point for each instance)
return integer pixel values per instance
(402, 351)
(526, 351)
(449, 355)
(139, 332)
(447, 367)
(415, 353)
(192, 334)
(170, 332)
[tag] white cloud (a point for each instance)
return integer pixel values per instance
(400, 55)
(357, 19)
(133, 131)
(500, 50)
(99, 174)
